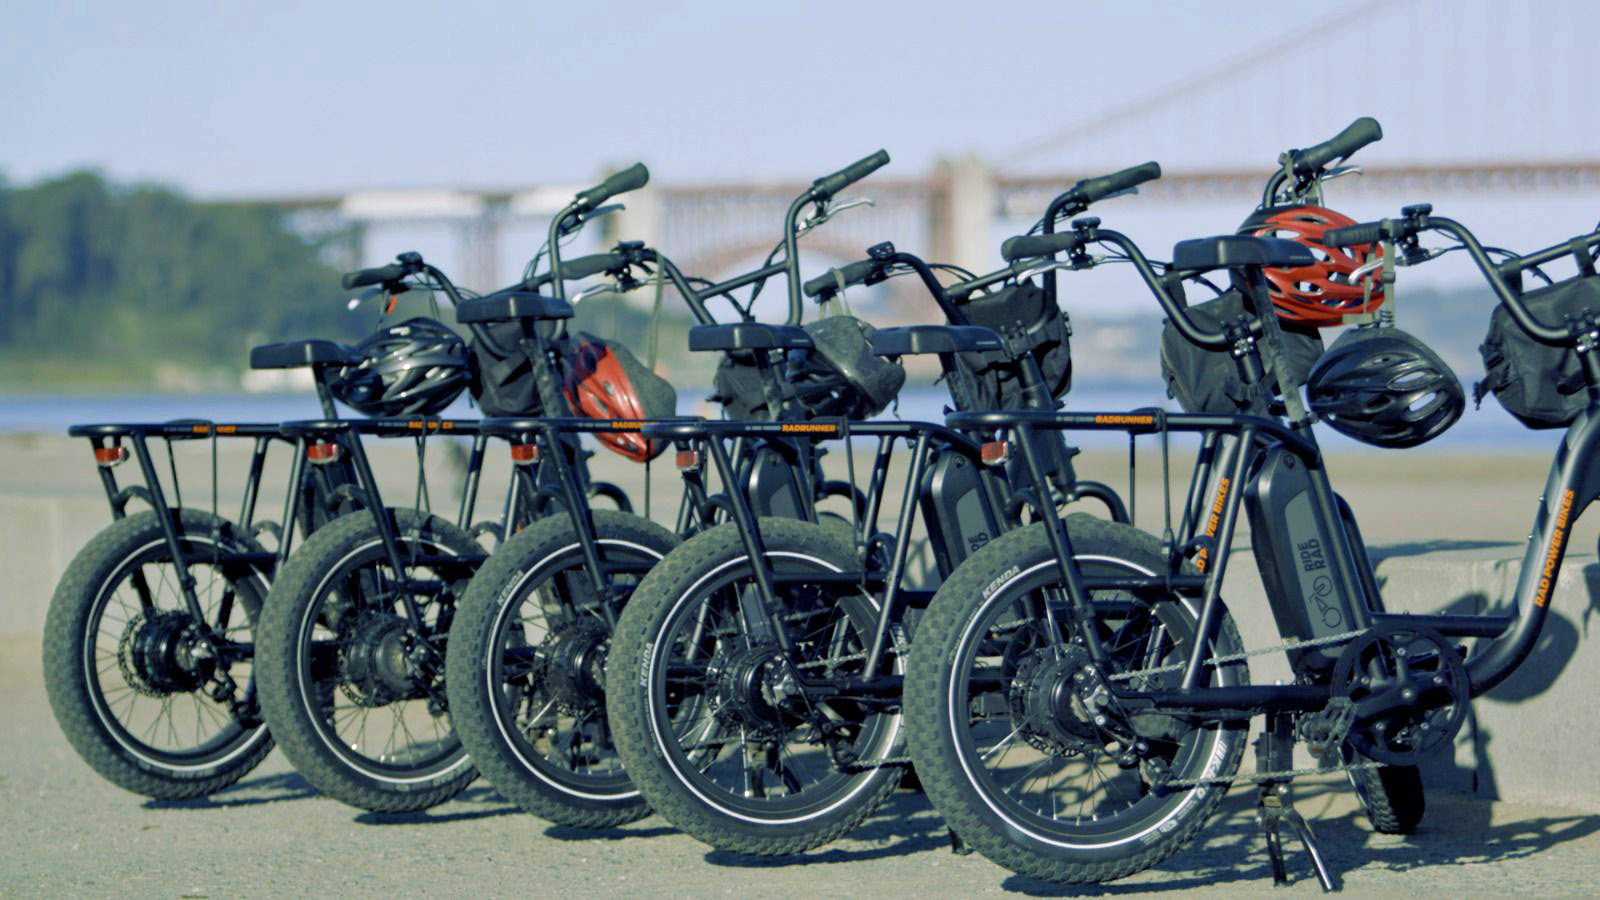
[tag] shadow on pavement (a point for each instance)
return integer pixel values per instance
(1455, 831)
(906, 824)
(621, 832)
(278, 788)
(480, 797)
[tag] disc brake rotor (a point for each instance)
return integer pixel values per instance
(161, 654)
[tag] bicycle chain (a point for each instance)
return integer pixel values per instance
(1284, 647)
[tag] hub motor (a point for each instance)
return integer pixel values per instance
(376, 667)
(162, 653)
(1050, 701)
(574, 664)
(751, 683)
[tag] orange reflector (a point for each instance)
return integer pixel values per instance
(688, 459)
(322, 452)
(110, 456)
(524, 454)
(995, 453)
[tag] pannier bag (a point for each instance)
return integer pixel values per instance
(1024, 315)
(1207, 381)
(501, 373)
(1541, 385)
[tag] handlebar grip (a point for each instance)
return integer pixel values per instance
(825, 187)
(584, 266)
(630, 179)
(379, 275)
(1361, 132)
(1353, 235)
(1024, 246)
(1092, 189)
(853, 274)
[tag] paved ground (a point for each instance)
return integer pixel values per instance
(69, 833)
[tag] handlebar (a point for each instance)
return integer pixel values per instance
(831, 281)
(630, 179)
(825, 187)
(1024, 246)
(1353, 235)
(1360, 133)
(1092, 189)
(378, 275)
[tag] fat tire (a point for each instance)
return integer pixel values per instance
(629, 704)
(278, 665)
(957, 602)
(1392, 797)
(69, 688)
(472, 706)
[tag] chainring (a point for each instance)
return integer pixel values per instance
(1410, 691)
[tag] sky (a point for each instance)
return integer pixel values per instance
(255, 99)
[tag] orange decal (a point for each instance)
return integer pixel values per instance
(1212, 520)
(1558, 539)
(1124, 420)
(810, 428)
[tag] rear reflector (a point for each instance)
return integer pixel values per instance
(995, 453)
(688, 459)
(524, 454)
(322, 452)
(110, 456)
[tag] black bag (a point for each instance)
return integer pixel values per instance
(1024, 315)
(840, 376)
(1207, 381)
(501, 373)
(1541, 385)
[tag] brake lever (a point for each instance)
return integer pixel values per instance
(833, 210)
(592, 291)
(577, 220)
(378, 290)
(1054, 265)
(1340, 172)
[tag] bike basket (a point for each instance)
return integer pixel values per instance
(501, 373)
(1025, 317)
(1541, 385)
(1207, 381)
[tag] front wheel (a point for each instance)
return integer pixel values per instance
(736, 721)
(1012, 735)
(525, 670)
(352, 680)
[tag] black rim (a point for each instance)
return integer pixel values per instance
(372, 681)
(161, 698)
(546, 673)
(726, 741)
(1069, 782)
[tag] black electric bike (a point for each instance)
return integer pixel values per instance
(530, 640)
(754, 686)
(1082, 700)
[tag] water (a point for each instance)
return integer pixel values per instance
(1487, 430)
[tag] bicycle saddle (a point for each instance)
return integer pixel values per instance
(505, 305)
(299, 354)
(1223, 251)
(748, 336)
(908, 340)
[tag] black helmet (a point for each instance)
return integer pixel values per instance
(840, 375)
(414, 368)
(1384, 387)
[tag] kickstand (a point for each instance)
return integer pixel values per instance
(1274, 753)
(957, 845)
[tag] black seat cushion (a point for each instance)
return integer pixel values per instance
(911, 340)
(299, 354)
(1223, 251)
(748, 336)
(506, 305)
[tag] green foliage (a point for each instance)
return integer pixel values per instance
(143, 275)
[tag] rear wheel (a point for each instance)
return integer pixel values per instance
(351, 683)
(138, 693)
(526, 668)
(710, 716)
(1009, 727)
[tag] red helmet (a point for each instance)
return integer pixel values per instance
(1321, 294)
(606, 381)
